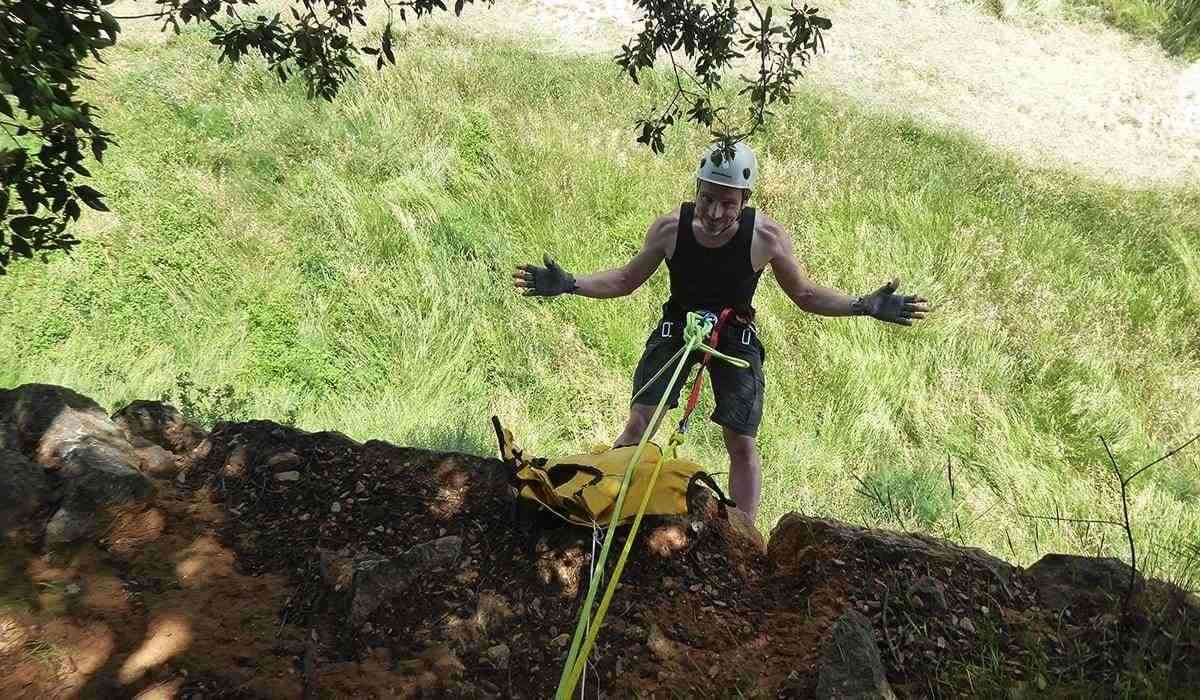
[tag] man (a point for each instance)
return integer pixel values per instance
(716, 249)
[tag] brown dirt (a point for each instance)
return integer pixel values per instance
(160, 610)
(225, 595)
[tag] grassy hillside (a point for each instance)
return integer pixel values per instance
(347, 266)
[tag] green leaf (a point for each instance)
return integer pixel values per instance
(66, 113)
(10, 157)
(21, 225)
(20, 246)
(91, 197)
(109, 23)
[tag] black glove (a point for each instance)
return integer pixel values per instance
(547, 281)
(886, 306)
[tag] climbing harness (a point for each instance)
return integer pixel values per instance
(697, 327)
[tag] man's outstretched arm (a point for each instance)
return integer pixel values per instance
(552, 280)
(881, 304)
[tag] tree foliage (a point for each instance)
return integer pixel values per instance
(46, 47)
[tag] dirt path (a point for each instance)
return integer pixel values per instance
(1086, 97)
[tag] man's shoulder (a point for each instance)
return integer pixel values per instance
(769, 232)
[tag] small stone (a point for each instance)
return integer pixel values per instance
(336, 507)
(927, 592)
(72, 589)
(284, 461)
(498, 655)
(287, 476)
(967, 625)
(562, 640)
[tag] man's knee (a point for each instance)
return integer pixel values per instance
(636, 424)
(740, 447)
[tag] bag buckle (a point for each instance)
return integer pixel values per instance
(746, 336)
(666, 329)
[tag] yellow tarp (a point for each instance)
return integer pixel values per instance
(582, 488)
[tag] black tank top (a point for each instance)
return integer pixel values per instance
(712, 278)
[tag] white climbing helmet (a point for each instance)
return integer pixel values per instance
(739, 173)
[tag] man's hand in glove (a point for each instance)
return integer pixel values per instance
(547, 281)
(886, 306)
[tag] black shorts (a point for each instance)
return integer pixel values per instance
(739, 391)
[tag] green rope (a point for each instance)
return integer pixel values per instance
(696, 329)
(564, 691)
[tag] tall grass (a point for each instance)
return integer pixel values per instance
(348, 264)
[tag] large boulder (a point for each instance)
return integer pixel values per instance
(62, 430)
(159, 424)
(94, 499)
(77, 445)
(797, 538)
(24, 489)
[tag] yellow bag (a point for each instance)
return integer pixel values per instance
(583, 488)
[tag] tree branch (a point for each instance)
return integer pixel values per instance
(1168, 455)
(157, 15)
(1060, 519)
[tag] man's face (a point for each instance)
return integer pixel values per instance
(717, 208)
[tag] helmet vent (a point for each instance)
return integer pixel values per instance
(746, 173)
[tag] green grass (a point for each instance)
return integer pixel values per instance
(1175, 24)
(348, 265)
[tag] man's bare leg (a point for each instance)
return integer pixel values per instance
(639, 418)
(745, 471)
